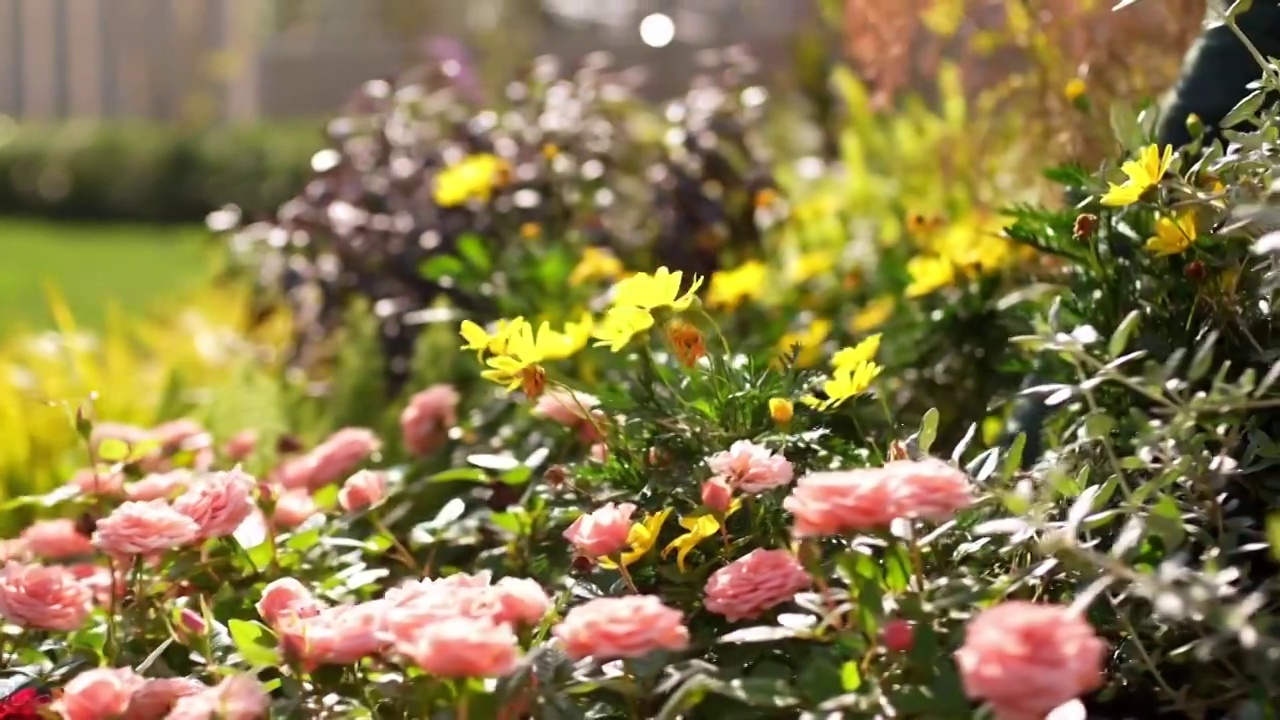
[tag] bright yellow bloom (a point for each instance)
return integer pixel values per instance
(873, 314)
(1075, 89)
(699, 528)
(619, 325)
(640, 539)
(659, 290)
(811, 265)
(482, 342)
(730, 288)
(1143, 174)
(863, 352)
(596, 264)
(564, 345)
(519, 366)
(809, 341)
(475, 177)
(929, 273)
(1173, 235)
(846, 382)
(781, 410)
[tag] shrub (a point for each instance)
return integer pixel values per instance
(126, 171)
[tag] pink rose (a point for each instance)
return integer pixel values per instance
(286, 596)
(56, 539)
(832, 503)
(330, 461)
(99, 582)
(601, 533)
(192, 621)
(364, 489)
(929, 489)
(339, 635)
(462, 647)
(522, 601)
(754, 583)
(717, 496)
(626, 627)
(574, 410)
(98, 482)
(160, 486)
(239, 697)
(43, 598)
(294, 507)
(510, 601)
(751, 468)
(426, 420)
(180, 436)
(98, 694)
(1026, 659)
(218, 502)
(241, 445)
(158, 696)
(144, 528)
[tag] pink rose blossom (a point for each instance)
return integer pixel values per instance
(426, 420)
(218, 502)
(717, 495)
(158, 696)
(751, 468)
(99, 581)
(1026, 659)
(287, 595)
(574, 410)
(626, 627)
(43, 598)
(928, 489)
(522, 601)
(242, 445)
(832, 503)
(898, 635)
(330, 461)
(754, 583)
(98, 482)
(601, 533)
(364, 489)
(294, 507)
(192, 621)
(338, 635)
(511, 601)
(144, 528)
(98, 694)
(160, 486)
(462, 647)
(239, 697)
(56, 539)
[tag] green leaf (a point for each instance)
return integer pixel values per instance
(1273, 534)
(760, 633)
(850, 676)
(113, 450)
(1166, 521)
(255, 643)
(1125, 126)
(1120, 338)
(1246, 109)
(472, 248)
(1099, 425)
(440, 267)
(1013, 458)
(460, 474)
(497, 463)
(1203, 358)
(1238, 7)
(928, 430)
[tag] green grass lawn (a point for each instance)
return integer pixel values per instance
(136, 266)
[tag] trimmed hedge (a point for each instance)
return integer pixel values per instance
(144, 172)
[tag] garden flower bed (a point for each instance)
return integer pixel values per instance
(609, 413)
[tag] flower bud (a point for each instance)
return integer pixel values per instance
(898, 635)
(781, 410)
(1086, 225)
(717, 495)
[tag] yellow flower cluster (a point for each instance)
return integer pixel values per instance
(643, 536)
(852, 371)
(970, 246)
(515, 353)
(474, 178)
(1140, 176)
(635, 299)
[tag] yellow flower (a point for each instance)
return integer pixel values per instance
(659, 290)
(686, 340)
(863, 352)
(809, 341)
(564, 345)
(475, 177)
(929, 273)
(943, 17)
(1173, 235)
(1075, 89)
(1142, 175)
(519, 366)
(874, 314)
(811, 265)
(596, 264)
(640, 539)
(729, 288)
(619, 325)
(781, 410)
(699, 528)
(482, 342)
(846, 382)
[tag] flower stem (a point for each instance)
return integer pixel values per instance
(626, 575)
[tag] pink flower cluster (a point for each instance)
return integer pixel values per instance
(622, 627)
(603, 532)
(55, 540)
(427, 419)
(330, 461)
(754, 583)
(121, 694)
(212, 505)
(832, 503)
(1026, 659)
(574, 410)
(43, 598)
(751, 468)
(185, 437)
(458, 626)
